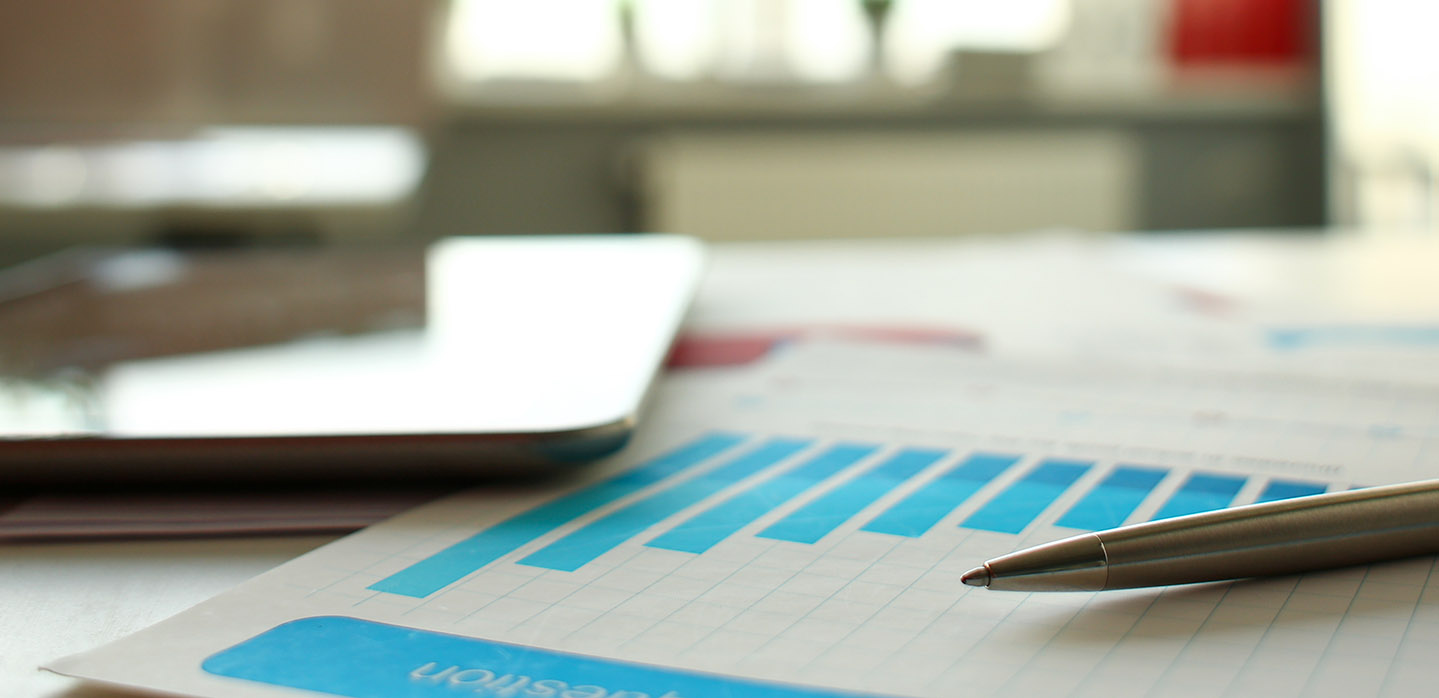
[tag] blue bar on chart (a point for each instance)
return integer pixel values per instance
(577, 548)
(707, 528)
(1295, 338)
(819, 517)
(918, 512)
(1289, 489)
(1113, 499)
(358, 658)
(1201, 492)
(451, 564)
(1012, 510)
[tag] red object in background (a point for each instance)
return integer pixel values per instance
(700, 351)
(737, 348)
(1240, 32)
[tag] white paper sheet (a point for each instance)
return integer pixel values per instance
(800, 529)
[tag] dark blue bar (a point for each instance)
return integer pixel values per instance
(1113, 499)
(1201, 492)
(914, 515)
(582, 545)
(1289, 489)
(1012, 510)
(703, 530)
(451, 564)
(825, 513)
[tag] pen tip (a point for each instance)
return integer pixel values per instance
(977, 577)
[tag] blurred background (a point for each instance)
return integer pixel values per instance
(258, 122)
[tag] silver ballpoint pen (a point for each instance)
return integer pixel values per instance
(1284, 537)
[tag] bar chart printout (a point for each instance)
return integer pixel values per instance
(743, 563)
(722, 485)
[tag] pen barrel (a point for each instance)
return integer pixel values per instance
(1285, 537)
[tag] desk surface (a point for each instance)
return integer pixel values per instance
(64, 598)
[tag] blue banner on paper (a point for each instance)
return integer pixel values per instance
(363, 659)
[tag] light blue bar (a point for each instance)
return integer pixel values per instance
(1289, 489)
(451, 564)
(825, 513)
(354, 658)
(703, 530)
(914, 515)
(1294, 338)
(1201, 492)
(598, 537)
(1012, 510)
(1113, 499)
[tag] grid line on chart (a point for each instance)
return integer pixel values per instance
(1349, 618)
(1237, 680)
(1409, 626)
(945, 678)
(775, 637)
(937, 616)
(507, 594)
(1118, 642)
(1189, 642)
(636, 594)
(774, 587)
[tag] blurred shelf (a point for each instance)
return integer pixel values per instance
(731, 103)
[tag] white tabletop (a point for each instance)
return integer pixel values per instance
(58, 599)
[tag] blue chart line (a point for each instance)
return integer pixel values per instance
(1289, 489)
(1113, 499)
(598, 537)
(816, 519)
(703, 530)
(453, 563)
(1012, 510)
(1201, 492)
(918, 512)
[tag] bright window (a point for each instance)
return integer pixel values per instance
(816, 41)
